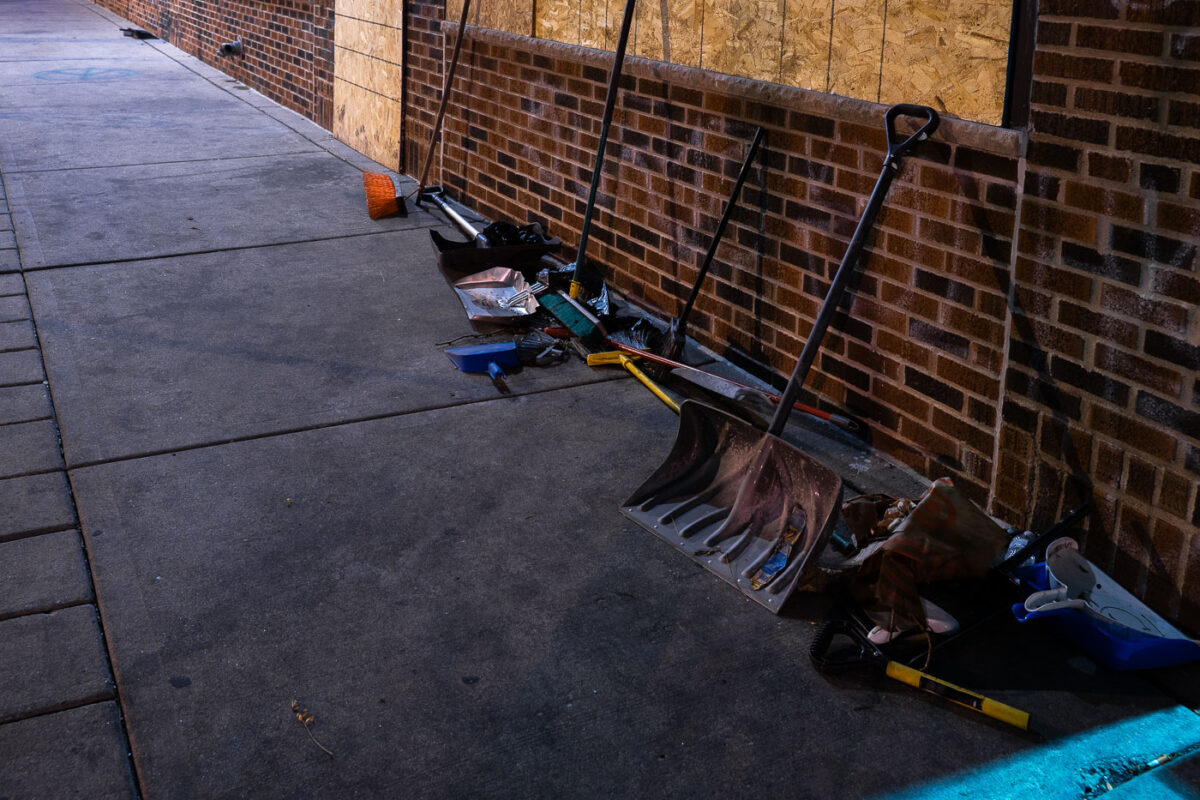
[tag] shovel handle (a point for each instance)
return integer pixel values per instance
(614, 83)
(898, 148)
(833, 298)
(441, 113)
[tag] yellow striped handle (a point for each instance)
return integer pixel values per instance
(992, 708)
(649, 384)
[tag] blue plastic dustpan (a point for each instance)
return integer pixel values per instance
(481, 357)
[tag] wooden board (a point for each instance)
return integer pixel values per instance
(368, 77)
(669, 30)
(368, 122)
(600, 23)
(856, 48)
(558, 20)
(512, 16)
(743, 37)
(805, 60)
(949, 55)
(389, 12)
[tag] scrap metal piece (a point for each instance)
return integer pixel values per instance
(496, 294)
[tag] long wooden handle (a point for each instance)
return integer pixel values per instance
(437, 124)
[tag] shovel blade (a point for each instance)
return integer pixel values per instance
(748, 506)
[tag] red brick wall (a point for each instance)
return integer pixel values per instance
(288, 43)
(424, 68)
(1106, 337)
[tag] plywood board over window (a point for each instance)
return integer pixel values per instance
(599, 23)
(744, 37)
(951, 55)
(667, 30)
(368, 71)
(856, 48)
(559, 21)
(511, 16)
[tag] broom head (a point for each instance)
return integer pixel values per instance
(381, 196)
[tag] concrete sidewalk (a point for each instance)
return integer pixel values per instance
(237, 471)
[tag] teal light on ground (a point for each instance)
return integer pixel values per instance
(1160, 785)
(1114, 761)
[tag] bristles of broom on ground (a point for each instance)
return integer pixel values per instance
(382, 200)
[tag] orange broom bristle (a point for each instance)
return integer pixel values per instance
(381, 196)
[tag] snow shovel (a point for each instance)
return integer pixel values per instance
(748, 506)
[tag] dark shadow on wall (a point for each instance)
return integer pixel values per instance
(1053, 490)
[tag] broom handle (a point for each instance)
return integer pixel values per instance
(891, 165)
(720, 231)
(441, 114)
(614, 79)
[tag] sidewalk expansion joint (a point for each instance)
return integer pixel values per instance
(32, 532)
(45, 418)
(210, 251)
(337, 424)
(22, 383)
(46, 609)
(89, 700)
(30, 473)
(48, 170)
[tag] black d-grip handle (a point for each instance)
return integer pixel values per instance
(899, 149)
(861, 653)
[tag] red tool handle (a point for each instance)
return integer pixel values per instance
(842, 422)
